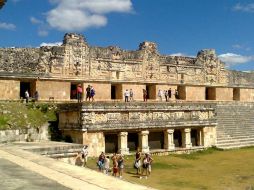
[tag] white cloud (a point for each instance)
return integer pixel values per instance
(7, 26)
(181, 54)
(35, 20)
(244, 8)
(235, 59)
(78, 15)
(51, 44)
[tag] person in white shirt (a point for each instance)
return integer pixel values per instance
(160, 94)
(126, 95)
(26, 96)
(84, 155)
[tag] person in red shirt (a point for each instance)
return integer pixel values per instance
(79, 93)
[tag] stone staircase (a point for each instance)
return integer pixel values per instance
(235, 125)
(55, 149)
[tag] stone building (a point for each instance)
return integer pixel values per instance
(56, 71)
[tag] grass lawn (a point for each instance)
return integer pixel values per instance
(210, 169)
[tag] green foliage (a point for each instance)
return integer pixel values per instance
(15, 115)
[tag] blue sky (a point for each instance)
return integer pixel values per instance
(181, 27)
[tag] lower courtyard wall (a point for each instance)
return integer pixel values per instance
(9, 89)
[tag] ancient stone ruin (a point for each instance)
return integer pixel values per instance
(188, 121)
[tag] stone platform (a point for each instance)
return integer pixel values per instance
(50, 171)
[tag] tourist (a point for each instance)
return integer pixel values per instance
(120, 165)
(88, 93)
(27, 96)
(92, 93)
(115, 165)
(166, 95)
(144, 95)
(101, 161)
(79, 93)
(169, 94)
(78, 159)
(147, 161)
(131, 95)
(85, 155)
(176, 94)
(36, 96)
(137, 161)
(126, 95)
(160, 94)
(107, 165)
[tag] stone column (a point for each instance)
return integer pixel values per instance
(186, 136)
(169, 139)
(123, 143)
(143, 141)
(200, 137)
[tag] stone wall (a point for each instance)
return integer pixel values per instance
(31, 134)
(136, 116)
(9, 89)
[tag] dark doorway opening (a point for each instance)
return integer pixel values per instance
(113, 92)
(116, 92)
(151, 92)
(181, 93)
(111, 143)
(178, 138)
(236, 94)
(25, 86)
(73, 91)
(156, 140)
(133, 141)
(210, 93)
(194, 137)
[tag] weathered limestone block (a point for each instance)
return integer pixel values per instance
(209, 136)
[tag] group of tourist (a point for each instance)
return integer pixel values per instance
(128, 95)
(142, 165)
(35, 97)
(90, 93)
(168, 94)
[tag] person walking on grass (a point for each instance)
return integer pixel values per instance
(147, 165)
(137, 162)
(120, 161)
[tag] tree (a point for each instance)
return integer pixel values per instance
(2, 2)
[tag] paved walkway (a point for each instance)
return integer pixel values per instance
(50, 171)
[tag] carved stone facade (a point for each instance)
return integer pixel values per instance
(145, 120)
(76, 60)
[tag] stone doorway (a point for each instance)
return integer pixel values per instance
(27, 85)
(210, 93)
(116, 92)
(132, 141)
(194, 137)
(181, 92)
(236, 94)
(151, 91)
(178, 138)
(111, 143)
(156, 140)
(73, 94)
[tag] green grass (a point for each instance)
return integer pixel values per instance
(15, 115)
(209, 169)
